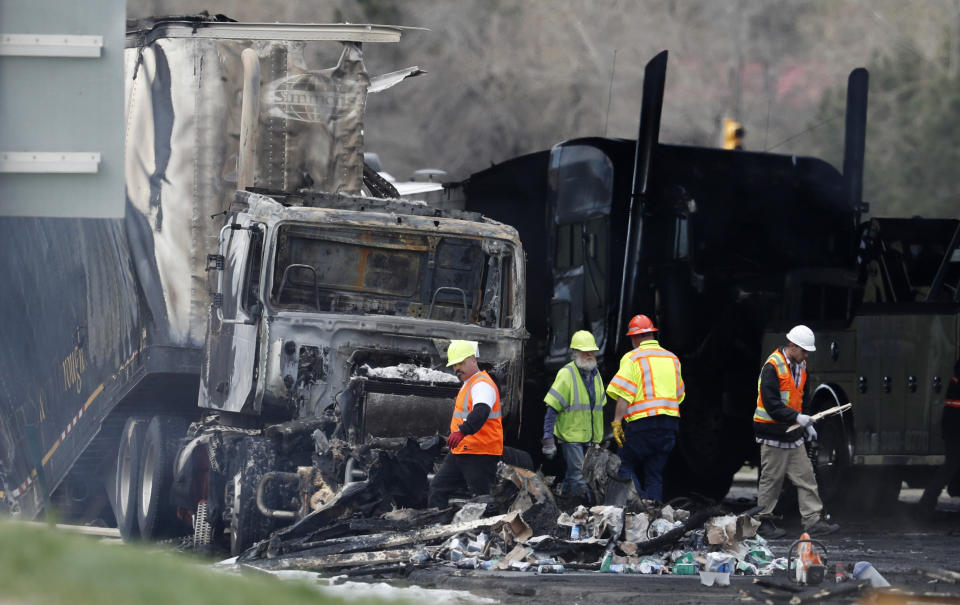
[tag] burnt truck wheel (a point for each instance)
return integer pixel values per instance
(156, 515)
(515, 457)
(256, 457)
(128, 477)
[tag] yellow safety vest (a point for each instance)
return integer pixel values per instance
(649, 379)
(577, 422)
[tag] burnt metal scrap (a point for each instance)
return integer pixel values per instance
(370, 521)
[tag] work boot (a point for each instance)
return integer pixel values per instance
(822, 528)
(769, 531)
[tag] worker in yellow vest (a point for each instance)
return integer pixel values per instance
(649, 389)
(574, 414)
(782, 452)
(476, 430)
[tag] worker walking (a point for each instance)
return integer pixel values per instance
(950, 426)
(783, 453)
(476, 430)
(649, 389)
(574, 416)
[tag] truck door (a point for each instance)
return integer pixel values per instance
(230, 360)
(581, 193)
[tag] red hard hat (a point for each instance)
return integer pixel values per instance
(640, 324)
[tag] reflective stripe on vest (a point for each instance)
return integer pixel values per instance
(489, 439)
(791, 394)
(953, 403)
(648, 400)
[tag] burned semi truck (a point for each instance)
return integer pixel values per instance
(255, 305)
(726, 250)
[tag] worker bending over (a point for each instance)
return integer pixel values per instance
(574, 415)
(476, 430)
(783, 453)
(649, 389)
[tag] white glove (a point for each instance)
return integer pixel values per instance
(804, 420)
(811, 433)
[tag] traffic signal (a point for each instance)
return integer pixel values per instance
(732, 134)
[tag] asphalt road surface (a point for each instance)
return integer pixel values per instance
(897, 544)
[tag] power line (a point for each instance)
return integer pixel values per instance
(613, 69)
(803, 132)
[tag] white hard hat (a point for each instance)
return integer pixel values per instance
(802, 336)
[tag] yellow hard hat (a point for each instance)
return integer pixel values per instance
(583, 341)
(460, 350)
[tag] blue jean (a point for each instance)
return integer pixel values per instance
(646, 452)
(573, 482)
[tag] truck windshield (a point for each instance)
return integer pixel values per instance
(366, 271)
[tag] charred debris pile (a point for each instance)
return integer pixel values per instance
(372, 522)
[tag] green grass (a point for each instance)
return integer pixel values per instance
(39, 565)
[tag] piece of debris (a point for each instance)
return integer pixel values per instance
(939, 574)
(863, 570)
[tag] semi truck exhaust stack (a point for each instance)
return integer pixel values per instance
(249, 118)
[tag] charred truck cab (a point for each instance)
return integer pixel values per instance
(330, 325)
(321, 296)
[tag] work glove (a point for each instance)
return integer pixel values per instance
(811, 433)
(454, 439)
(549, 448)
(804, 420)
(618, 435)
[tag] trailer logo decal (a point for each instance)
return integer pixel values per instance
(19, 491)
(73, 366)
(312, 97)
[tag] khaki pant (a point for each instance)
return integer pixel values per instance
(777, 463)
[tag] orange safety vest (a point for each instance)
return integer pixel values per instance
(952, 402)
(489, 439)
(791, 393)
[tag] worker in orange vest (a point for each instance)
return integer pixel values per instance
(476, 430)
(649, 389)
(782, 452)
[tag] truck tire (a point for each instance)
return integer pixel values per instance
(515, 457)
(156, 516)
(128, 476)
(247, 524)
(831, 465)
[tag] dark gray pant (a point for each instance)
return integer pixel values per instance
(573, 482)
(474, 472)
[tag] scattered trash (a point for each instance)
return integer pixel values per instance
(517, 527)
(635, 526)
(863, 570)
(720, 578)
(721, 562)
